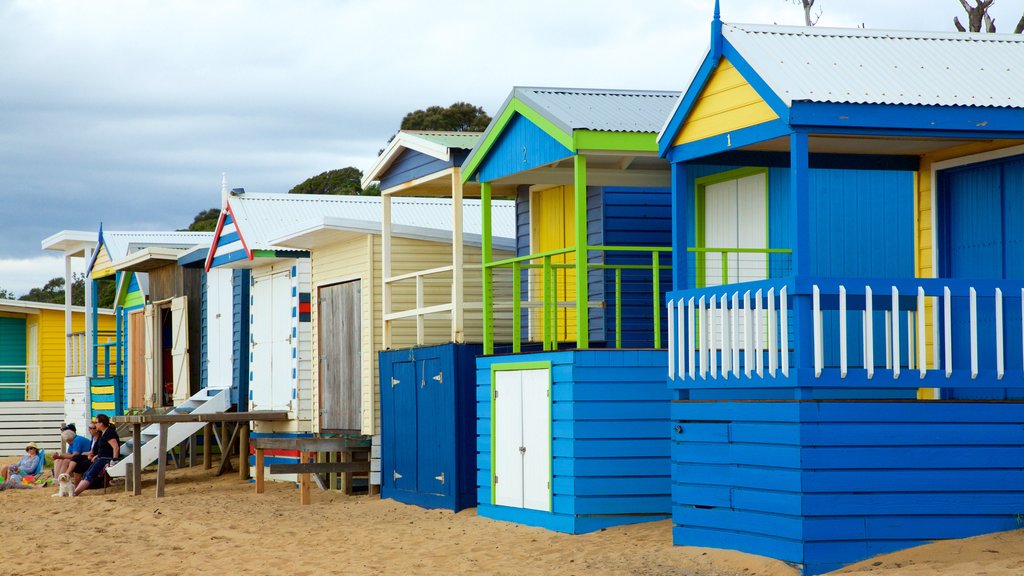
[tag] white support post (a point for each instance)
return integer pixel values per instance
(784, 330)
(974, 333)
(87, 339)
(895, 333)
(758, 347)
(458, 261)
(819, 353)
(735, 339)
(748, 346)
(68, 348)
(723, 319)
(922, 344)
(869, 333)
(1000, 361)
(773, 352)
(947, 325)
(910, 340)
(671, 340)
(842, 332)
(888, 339)
(420, 329)
(385, 250)
(691, 340)
(703, 339)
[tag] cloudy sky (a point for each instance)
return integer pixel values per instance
(127, 112)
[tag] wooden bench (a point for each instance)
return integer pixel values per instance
(346, 447)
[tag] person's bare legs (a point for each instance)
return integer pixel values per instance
(82, 487)
(4, 471)
(59, 466)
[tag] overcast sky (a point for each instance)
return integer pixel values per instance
(127, 112)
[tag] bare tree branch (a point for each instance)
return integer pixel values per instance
(959, 26)
(1020, 26)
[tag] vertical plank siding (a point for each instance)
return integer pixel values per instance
(823, 484)
(240, 284)
(610, 454)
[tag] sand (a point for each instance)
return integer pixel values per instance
(206, 524)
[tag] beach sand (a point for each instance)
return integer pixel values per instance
(206, 524)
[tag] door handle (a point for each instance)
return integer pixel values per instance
(441, 477)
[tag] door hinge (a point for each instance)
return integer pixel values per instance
(394, 381)
(549, 485)
(440, 478)
(522, 449)
(495, 479)
(439, 377)
(395, 475)
(495, 393)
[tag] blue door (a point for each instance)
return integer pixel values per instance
(435, 445)
(981, 206)
(405, 418)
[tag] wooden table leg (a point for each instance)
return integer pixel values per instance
(346, 477)
(305, 495)
(259, 470)
(207, 445)
(161, 461)
(129, 478)
(137, 459)
(243, 451)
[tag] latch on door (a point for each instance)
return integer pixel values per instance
(440, 478)
(394, 381)
(439, 377)
(395, 475)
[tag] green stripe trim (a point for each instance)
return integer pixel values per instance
(624, 141)
(515, 106)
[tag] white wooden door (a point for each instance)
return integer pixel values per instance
(261, 342)
(522, 439)
(219, 329)
(32, 361)
(282, 383)
(537, 440)
(179, 350)
(508, 438)
(736, 216)
(152, 374)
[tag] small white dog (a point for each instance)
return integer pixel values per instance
(65, 486)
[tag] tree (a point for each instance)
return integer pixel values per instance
(53, 292)
(343, 181)
(978, 18)
(6, 294)
(459, 117)
(809, 18)
(204, 221)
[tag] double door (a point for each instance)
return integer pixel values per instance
(521, 472)
(272, 365)
(420, 435)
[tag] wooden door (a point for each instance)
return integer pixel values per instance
(261, 344)
(553, 228)
(522, 439)
(536, 439)
(219, 327)
(434, 433)
(282, 342)
(339, 327)
(735, 216)
(138, 350)
(179, 350)
(403, 452)
(508, 439)
(151, 356)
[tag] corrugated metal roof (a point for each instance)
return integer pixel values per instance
(603, 110)
(119, 243)
(461, 140)
(884, 66)
(263, 218)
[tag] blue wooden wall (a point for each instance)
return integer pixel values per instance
(823, 484)
(204, 374)
(610, 448)
(240, 339)
(411, 165)
(520, 147)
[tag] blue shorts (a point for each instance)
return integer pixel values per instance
(96, 469)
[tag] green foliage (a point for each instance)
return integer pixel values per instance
(205, 221)
(6, 294)
(53, 292)
(343, 182)
(459, 117)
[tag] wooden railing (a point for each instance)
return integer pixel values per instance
(28, 376)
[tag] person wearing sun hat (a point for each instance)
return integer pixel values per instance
(28, 463)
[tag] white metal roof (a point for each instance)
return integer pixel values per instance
(29, 307)
(605, 110)
(119, 244)
(70, 241)
(432, 143)
(265, 219)
(884, 66)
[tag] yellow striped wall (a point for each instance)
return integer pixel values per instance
(360, 258)
(727, 103)
(102, 267)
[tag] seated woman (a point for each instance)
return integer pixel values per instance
(76, 460)
(28, 464)
(106, 449)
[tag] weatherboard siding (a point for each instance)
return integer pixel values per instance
(726, 103)
(828, 483)
(521, 146)
(411, 165)
(610, 430)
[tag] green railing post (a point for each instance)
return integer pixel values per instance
(656, 281)
(549, 333)
(725, 268)
(517, 313)
(486, 255)
(618, 308)
(580, 205)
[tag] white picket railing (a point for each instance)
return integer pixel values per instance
(744, 330)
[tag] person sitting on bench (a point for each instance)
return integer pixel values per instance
(107, 449)
(76, 459)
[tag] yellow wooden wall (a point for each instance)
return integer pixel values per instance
(102, 267)
(553, 228)
(727, 103)
(361, 258)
